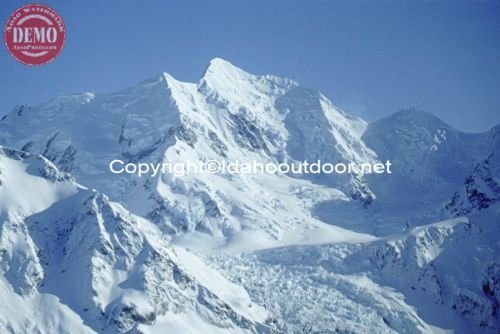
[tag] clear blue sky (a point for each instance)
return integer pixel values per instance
(370, 58)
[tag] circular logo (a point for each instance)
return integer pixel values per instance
(34, 34)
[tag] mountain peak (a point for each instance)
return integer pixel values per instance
(221, 63)
(415, 116)
(219, 67)
(414, 113)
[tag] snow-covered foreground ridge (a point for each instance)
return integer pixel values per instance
(315, 253)
(73, 261)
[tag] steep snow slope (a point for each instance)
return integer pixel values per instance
(29, 184)
(454, 263)
(481, 187)
(20, 176)
(97, 267)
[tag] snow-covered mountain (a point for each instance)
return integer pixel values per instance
(317, 253)
(430, 158)
(229, 114)
(70, 256)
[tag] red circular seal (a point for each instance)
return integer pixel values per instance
(34, 34)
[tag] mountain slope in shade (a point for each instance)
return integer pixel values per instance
(481, 187)
(97, 267)
(428, 155)
(431, 162)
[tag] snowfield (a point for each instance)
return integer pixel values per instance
(83, 250)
